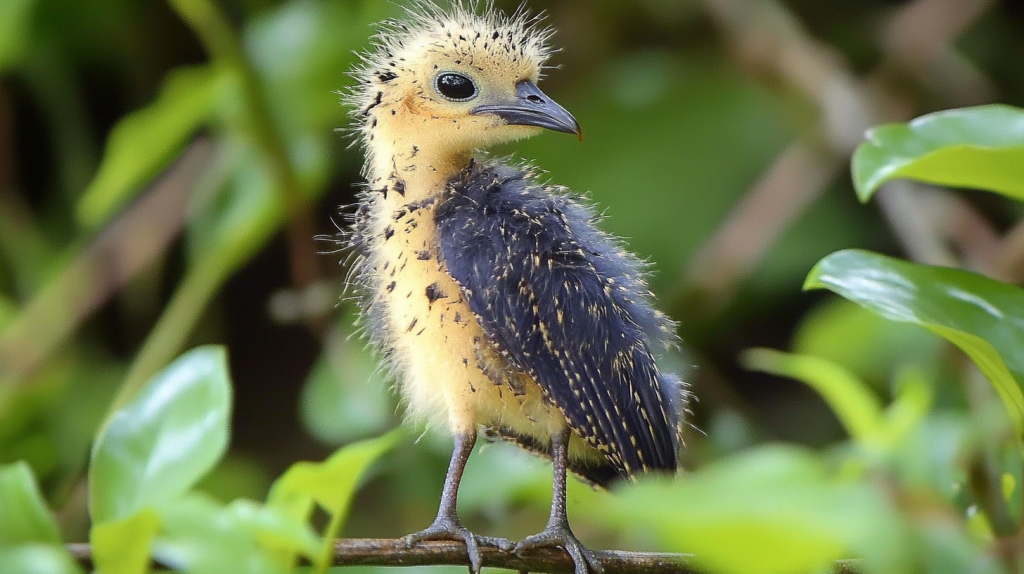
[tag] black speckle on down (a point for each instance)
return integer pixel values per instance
(565, 304)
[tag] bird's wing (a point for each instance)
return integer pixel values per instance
(564, 304)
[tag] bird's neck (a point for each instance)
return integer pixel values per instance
(410, 172)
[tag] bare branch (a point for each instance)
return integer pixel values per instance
(120, 251)
(389, 552)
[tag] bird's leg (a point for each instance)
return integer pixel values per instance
(557, 532)
(447, 526)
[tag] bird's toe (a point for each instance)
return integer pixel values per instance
(451, 529)
(562, 536)
(503, 544)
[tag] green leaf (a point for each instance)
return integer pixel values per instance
(930, 457)
(1010, 461)
(237, 220)
(122, 546)
(946, 550)
(30, 541)
(38, 559)
(274, 529)
(849, 398)
(201, 537)
(298, 49)
(981, 316)
(870, 346)
(236, 476)
(15, 24)
(909, 408)
(778, 502)
(145, 141)
(980, 147)
(24, 516)
(165, 439)
(330, 484)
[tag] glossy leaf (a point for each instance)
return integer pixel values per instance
(24, 516)
(980, 147)
(329, 484)
(849, 398)
(769, 510)
(870, 346)
(123, 546)
(165, 439)
(144, 142)
(981, 316)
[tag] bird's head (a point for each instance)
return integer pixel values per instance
(454, 81)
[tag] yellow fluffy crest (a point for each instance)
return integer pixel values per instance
(467, 33)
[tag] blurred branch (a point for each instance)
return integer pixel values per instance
(138, 236)
(221, 41)
(766, 34)
(388, 552)
(202, 280)
(918, 41)
(917, 219)
(796, 178)
(1009, 263)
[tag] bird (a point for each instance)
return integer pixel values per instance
(493, 298)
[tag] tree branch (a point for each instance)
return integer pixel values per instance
(392, 552)
(388, 552)
(96, 272)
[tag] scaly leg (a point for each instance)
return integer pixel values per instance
(447, 526)
(557, 532)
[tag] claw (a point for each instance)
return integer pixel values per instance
(562, 536)
(557, 533)
(450, 529)
(447, 526)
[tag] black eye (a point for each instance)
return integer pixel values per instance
(456, 87)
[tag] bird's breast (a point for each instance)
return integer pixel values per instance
(447, 369)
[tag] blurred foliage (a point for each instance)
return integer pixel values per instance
(910, 454)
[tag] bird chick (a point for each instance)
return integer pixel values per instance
(494, 298)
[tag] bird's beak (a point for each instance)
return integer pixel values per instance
(531, 107)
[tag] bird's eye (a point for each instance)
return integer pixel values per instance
(455, 87)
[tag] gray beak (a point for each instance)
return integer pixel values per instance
(531, 107)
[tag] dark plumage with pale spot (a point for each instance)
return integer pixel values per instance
(566, 305)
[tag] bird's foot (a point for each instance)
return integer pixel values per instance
(445, 528)
(561, 535)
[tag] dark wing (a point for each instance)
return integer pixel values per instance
(565, 304)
